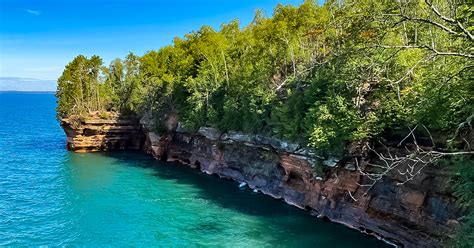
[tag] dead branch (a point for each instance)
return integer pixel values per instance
(463, 124)
(408, 135)
(436, 52)
(450, 20)
(408, 166)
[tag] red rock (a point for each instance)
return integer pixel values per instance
(419, 214)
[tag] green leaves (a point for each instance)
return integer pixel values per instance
(79, 87)
(464, 190)
(321, 75)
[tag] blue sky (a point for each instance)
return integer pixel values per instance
(38, 38)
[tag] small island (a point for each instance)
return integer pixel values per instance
(360, 113)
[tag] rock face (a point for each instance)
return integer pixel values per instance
(419, 213)
(97, 134)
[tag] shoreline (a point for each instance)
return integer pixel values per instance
(398, 215)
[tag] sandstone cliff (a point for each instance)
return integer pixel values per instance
(93, 133)
(419, 213)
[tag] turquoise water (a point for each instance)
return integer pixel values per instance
(49, 196)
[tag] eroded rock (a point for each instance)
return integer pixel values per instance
(416, 214)
(96, 134)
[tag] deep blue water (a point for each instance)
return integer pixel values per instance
(49, 196)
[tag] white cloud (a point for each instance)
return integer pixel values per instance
(33, 12)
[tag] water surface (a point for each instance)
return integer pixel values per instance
(49, 196)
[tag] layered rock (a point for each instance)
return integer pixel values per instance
(94, 133)
(419, 213)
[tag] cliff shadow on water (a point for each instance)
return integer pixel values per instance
(280, 221)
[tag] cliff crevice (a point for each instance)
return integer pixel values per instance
(420, 213)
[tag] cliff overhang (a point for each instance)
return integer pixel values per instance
(94, 133)
(420, 213)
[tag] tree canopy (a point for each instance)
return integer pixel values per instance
(318, 75)
(323, 76)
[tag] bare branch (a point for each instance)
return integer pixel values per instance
(409, 166)
(408, 135)
(450, 20)
(429, 133)
(436, 11)
(350, 194)
(462, 125)
(436, 52)
(439, 25)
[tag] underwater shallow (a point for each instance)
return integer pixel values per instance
(50, 196)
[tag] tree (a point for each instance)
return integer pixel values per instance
(79, 87)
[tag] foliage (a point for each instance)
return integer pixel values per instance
(79, 87)
(464, 190)
(323, 76)
(319, 75)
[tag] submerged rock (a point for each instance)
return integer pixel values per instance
(416, 214)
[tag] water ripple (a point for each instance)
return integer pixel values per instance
(50, 197)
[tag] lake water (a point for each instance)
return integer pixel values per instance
(50, 196)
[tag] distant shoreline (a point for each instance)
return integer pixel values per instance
(27, 92)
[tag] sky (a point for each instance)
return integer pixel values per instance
(38, 38)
